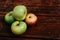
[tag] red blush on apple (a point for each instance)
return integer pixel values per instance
(31, 19)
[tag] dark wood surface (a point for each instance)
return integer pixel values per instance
(47, 26)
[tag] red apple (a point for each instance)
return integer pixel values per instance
(31, 19)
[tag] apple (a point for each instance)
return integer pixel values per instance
(9, 18)
(31, 19)
(18, 27)
(20, 12)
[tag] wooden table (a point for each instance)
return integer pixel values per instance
(47, 26)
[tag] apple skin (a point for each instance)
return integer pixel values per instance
(9, 18)
(18, 27)
(31, 19)
(20, 12)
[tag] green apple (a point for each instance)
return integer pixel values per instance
(9, 18)
(18, 27)
(20, 12)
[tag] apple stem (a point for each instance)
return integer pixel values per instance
(18, 24)
(10, 14)
(30, 17)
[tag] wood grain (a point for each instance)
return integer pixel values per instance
(47, 26)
